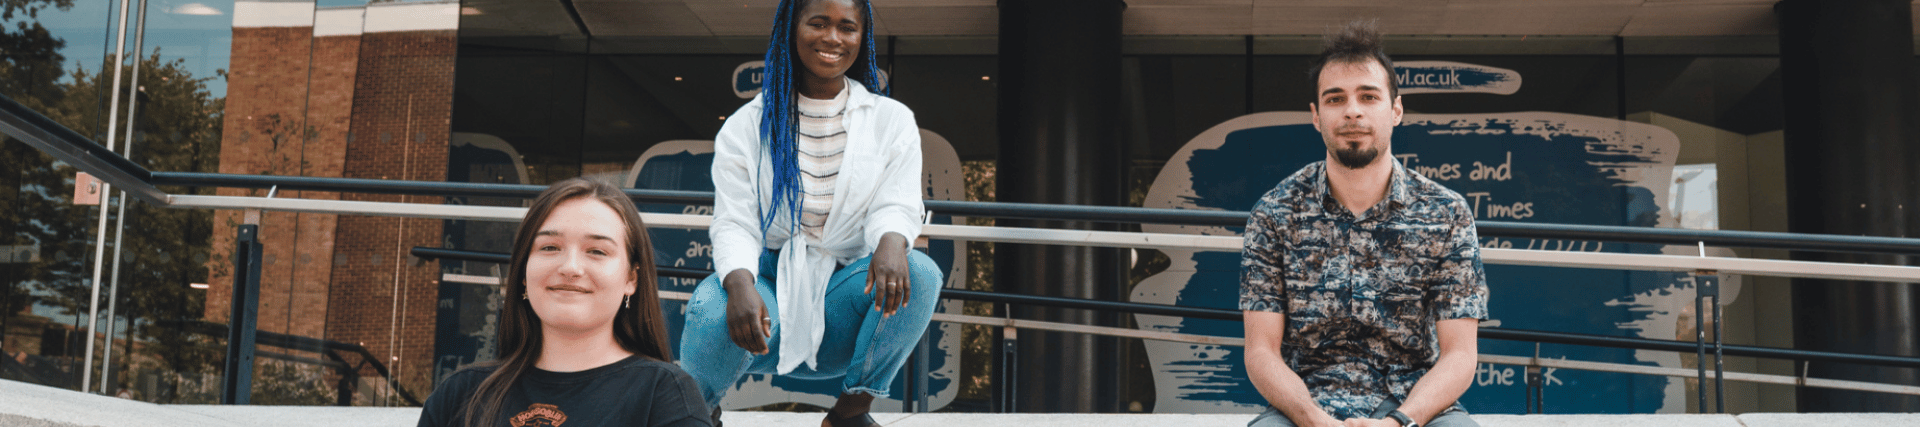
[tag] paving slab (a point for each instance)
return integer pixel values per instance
(29, 405)
(756, 419)
(1071, 420)
(306, 416)
(1827, 420)
(24, 404)
(1629, 420)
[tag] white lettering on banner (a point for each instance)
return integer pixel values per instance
(1515, 210)
(1497, 173)
(1498, 243)
(1443, 172)
(1452, 171)
(747, 78)
(1407, 78)
(1486, 375)
(1415, 77)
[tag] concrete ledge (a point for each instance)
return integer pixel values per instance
(1828, 420)
(23, 404)
(315, 416)
(28, 405)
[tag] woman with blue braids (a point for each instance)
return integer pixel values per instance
(817, 195)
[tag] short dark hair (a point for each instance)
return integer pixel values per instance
(1355, 42)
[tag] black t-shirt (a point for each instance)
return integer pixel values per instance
(636, 391)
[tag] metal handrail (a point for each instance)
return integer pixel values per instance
(71, 147)
(1504, 334)
(50, 137)
(307, 344)
(1109, 214)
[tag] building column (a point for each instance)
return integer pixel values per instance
(1060, 143)
(1847, 71)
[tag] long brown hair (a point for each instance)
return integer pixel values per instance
(638, 328)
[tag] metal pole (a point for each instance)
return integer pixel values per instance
(106, 356)
(1535, 384)
(100, 240)
(922, 365)
(120, 229)
(1711, 287)
(237, 386)
(1700, 344)
(1009, 364)
(908, 380)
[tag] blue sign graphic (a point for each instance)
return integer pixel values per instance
(1525, 167)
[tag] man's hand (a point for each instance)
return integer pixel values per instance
(1276, 381)
(1451, 374)
(1369, 422)
(1324, 420)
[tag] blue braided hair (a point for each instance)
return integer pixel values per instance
(779, 122)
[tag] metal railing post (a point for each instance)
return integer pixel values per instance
(1536, 391)
(921, 373)
(1700, 343)
(1009, 350)
(1709, 285)
(909, 380)
(914, 378)
(237, 385)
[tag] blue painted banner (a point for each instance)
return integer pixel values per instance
(1524, 167)
(747, 78)
(1454, 77)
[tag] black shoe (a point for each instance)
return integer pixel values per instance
(859, 420)
(716, 416)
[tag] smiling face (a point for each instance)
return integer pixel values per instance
(1355, 114)
(579, 273)
(826, 38)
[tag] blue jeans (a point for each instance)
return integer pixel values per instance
(868, 359)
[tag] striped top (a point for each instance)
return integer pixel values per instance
(822, 142)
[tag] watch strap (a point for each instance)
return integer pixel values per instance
(1405, 421)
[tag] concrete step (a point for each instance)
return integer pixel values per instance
(29, 405)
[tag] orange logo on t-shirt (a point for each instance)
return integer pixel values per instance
(539, 415)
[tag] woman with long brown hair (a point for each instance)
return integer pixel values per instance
(582, 338)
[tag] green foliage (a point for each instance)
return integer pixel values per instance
(287, 383)
(30, 8)
(976, 348)
(176, 127)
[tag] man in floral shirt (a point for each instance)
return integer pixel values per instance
(1361, 280)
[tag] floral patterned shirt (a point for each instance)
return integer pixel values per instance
(1362, 293)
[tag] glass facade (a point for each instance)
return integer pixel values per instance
(338, 88)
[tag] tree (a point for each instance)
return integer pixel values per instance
(176, 128)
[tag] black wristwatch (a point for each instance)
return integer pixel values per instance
(1404, 420)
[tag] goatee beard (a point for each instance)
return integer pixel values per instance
(1356, 158)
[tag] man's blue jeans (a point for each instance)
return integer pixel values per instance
(859, 345)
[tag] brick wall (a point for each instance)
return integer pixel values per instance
(402, 105)
(264, 128)
(367, 105)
